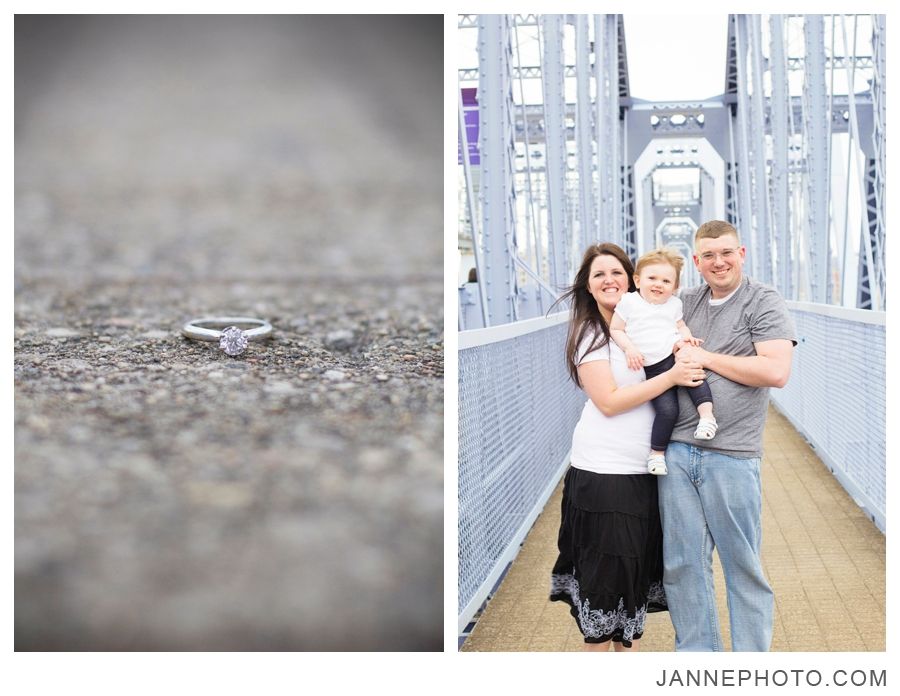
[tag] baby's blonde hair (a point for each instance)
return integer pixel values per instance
(662, 255)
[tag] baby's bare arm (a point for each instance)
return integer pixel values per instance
(686, 334)
(617, 331)
(632, 354)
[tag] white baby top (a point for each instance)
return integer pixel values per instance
(651, 327)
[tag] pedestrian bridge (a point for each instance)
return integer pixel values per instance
(792, 154)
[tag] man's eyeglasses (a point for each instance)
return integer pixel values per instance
(726, 254)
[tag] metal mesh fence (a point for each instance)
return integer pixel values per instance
(836, 397)
(517, 411)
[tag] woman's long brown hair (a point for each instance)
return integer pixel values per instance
(585, 312)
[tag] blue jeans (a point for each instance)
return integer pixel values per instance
(710, 500)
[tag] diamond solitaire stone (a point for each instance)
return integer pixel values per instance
(233, 341)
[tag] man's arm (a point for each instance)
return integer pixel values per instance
(770, 367)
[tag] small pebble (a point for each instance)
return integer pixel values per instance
(341, 339)
(62, 332)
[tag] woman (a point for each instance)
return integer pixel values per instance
(609, 568)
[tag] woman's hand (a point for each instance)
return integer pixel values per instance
(687, 373)
(598, 382)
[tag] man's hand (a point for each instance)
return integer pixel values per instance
(692, 353)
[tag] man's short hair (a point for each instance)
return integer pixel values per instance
(715, 229)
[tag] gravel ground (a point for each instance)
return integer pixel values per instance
(169, 497)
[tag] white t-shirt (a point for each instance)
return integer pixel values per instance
(612, 444)
(651, 327)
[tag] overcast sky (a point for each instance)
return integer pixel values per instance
(676, 57)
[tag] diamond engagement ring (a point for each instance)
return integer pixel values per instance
(232, 333)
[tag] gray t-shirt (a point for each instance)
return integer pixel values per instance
(754, 313)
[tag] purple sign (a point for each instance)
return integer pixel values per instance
(470, 117)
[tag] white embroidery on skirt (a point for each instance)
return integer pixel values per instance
(597, 623)
(657, 594)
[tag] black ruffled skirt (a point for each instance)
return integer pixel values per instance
(610, 567)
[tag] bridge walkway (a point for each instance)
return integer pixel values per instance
(824, 558)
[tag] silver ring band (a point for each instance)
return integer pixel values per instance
(232, 333)
(210, 328)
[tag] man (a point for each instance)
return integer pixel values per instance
(712, 496)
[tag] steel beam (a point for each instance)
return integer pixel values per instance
(815, 129)
(618, 69)
(497, 169)
(629, 217)
(742, 149)
(587, 230)
(622, 55)
(868, 275)
(476, 237)
(533, 72)
(867, 248)
(711, 111)
(797, 62)
(554, 112)
(647, 233)
(629, 221)
(780, 129)
(470, 21)
(526, 72)
(763, 244)
(707, 196)
(606, 75)
(878, 138)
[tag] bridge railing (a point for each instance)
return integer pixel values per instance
(517, 410)
(836, 396)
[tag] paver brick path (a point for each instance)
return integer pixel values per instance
(823, 557)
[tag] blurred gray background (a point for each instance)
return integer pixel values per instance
(168, 497)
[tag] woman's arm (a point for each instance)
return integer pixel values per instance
(611, 399)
